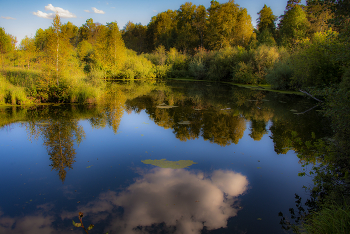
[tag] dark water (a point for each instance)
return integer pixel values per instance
(222, 161)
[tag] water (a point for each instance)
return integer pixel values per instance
(221, 161)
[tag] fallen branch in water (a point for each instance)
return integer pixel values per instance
(301, 113)
(310, 95)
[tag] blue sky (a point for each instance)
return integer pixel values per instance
(23, 17)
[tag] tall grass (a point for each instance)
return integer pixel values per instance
(333, 219)
(10, 94)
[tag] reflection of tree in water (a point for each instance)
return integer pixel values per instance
(223, 129)
(115, 109)
(59, 137)
(258, 129)
(59, 129)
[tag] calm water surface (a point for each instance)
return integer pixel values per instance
(155, 158)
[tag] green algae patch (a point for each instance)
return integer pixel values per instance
(163, 163)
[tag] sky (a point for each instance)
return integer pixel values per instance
(22, 18)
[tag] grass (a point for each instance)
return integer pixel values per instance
(332, 219)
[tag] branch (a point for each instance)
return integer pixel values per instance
(310, 95)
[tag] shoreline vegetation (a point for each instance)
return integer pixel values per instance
(309, 50)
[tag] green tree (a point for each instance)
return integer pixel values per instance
(293, 24)
(228, 25)
(266, 20)
(162, 30)
(29, 50)
(5, 44)
(71, 31)
(191, 26)
(134, 36)
(117, 50)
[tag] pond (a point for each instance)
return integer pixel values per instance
(166, 157)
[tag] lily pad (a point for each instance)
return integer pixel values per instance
(42, 123)
(165, 107)
(163, 163)
(184, 122)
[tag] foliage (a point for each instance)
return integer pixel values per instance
(316, 63)
(266, 20)
(330, 219)
(136, 66)
(293, 25)
(10, 94)
(228, 26)
(280, 75)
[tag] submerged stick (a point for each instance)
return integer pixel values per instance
(310, 95)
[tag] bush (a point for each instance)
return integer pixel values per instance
(263, 58)
(244, 74)
(197, 68)
(280, 76)
(10, 94)
(317, 63)
(137, 66)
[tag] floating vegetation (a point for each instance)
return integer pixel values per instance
(42, 123)
(184, 122)
(163, 163)
(165, 107)
(89, 166)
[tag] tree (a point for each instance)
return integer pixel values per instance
(266, 20)
(29, 50)
(162, 30)
(70, 31)
(229, 25)
(319, 15)
(117, 51)
(191, 24)
(134, 36)
(293, 24)
(7, 43)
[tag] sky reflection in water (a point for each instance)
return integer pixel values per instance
(89, 159)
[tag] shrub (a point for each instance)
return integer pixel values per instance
(263, 58)
(280, 76)
(317, 63)
(244, 74)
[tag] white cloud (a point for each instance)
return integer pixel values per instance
(60, 11)
(7, 17)
(97, 11)
(87, 11)
(182, 200)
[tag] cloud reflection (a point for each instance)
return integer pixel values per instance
(184, 202)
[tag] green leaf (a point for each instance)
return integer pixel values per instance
(90, 227)
(76, 224)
